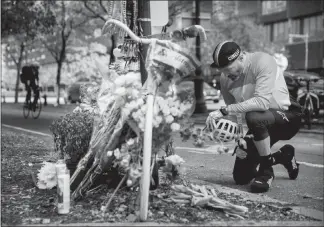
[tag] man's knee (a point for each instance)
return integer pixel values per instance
(242, 179)
(258, 122)
(244, 170)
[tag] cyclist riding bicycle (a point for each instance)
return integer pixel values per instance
(29, 77)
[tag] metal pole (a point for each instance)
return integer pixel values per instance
(199, 81)
(144, 22)
(306, 52)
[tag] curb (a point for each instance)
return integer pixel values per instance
(218, 223)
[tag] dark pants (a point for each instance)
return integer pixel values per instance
(277, 124)
(32, 85)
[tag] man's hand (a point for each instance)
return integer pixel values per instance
(240, 153)
(212, 118)
(241, 148)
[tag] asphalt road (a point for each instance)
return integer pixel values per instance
(203, 164)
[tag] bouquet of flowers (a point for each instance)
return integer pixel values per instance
(46, 176)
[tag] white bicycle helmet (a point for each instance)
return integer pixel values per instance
(225, 130)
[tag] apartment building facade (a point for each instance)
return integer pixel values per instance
(297, 19)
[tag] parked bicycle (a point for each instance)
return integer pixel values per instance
(309, 100)
(35, 109)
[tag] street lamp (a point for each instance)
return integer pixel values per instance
(305, 38)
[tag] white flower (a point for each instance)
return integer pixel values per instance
(121, 91)
(143, 109)
(169, 119)
(166, 111)
(141, 125)
(117, 153)
(124, 163)
(129, 182)
(47, 176)
(134, 173)
(130, 142)
(184, 107)
(163, 104)
(120, 81)
(109, 153)
(155, 124)
(158, 119)
(174, 111)
(126, 111)
(170, 101)
(41, 185)
(140, 102)
(135, 93)
(51, 184)
(176, 103)
(175, 127)
(174, 160)
(132, 78)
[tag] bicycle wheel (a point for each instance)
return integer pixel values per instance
(26, 110)
(37, 109)
(308, 114)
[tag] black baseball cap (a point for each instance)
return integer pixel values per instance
(225, 53)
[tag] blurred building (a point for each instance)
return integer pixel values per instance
(299, 18)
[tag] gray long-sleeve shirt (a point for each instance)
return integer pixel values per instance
(262, 86)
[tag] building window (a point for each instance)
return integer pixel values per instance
(280, 31)
(269, 7)
(295, 26)
(313, 25)
(268, 32)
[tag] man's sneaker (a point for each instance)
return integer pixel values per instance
(262, 182)
(288, 160)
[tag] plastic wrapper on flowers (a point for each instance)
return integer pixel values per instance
(121, 104)
(107, 129)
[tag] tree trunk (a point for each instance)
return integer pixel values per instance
(22, 47)
(58, 82)
(17, 85)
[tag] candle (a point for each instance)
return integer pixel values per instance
(63, 188)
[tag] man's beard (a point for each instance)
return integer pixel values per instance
(233, 77)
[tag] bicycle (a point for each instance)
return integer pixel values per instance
(307, 99)
(34, 109)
